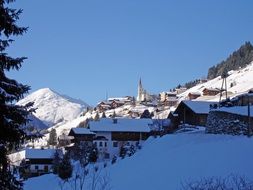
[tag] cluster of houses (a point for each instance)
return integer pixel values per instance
(195, 112)
(113, 103)
(108, 135)
(205, 92)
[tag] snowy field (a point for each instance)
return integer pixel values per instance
(169, 161)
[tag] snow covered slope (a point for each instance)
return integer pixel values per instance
(166, 162)
(36, 122)
(237, 82)
(53, 108)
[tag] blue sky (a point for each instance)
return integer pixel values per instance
(87, 48)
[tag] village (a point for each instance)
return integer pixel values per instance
(112, 136)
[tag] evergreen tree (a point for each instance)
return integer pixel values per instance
(103, 115)
(113, 114)
(65, 168)
(52, 138)
(146, 114)
(96, 117)
(12, 116)
(93, 155)
(238, 59)
(56, 162)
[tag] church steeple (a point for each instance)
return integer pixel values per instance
(140, 91)
(140, 84)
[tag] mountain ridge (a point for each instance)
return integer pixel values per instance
(53, 108)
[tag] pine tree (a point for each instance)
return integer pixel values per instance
(65, 168)
(56, 162)
(52, 138)
(103, 115)
(12, 116)
(146, 114)
(96, 117)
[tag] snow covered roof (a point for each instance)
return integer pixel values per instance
(40, 153)
(195, 93)
(122, 125)
(119, 99)
(212, 89)
(82, 131)
(239, 110)
(200, 107)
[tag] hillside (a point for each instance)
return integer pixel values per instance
(166, 162)
(53, 108)
(238, 59)
(238, 82)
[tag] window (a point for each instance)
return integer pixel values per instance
(45, 168)
(105, 144)
(115, 144)
(106, 155)
(100, 144)
(95, 143)
(36, 167)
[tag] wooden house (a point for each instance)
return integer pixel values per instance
(39, 161)
(210, 91)
(193, 112)
(193, 95)
(103, 106)
(243, 99)
(81, 134)
(174, 120)
(171, 101)
(117, 103)
(112, 134)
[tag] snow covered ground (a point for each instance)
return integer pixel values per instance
(166, 162)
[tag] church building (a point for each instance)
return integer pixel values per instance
(142, 95)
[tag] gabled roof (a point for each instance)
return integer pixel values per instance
(82, 131)
(199, 107)
(195, 93)
(121, 125)
(212, 89)
(40, 153)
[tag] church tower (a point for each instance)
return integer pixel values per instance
(140, 92)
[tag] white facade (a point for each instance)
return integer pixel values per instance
(43, 168)
(109, 148)
(142, 94)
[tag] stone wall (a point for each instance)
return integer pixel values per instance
(219, 122)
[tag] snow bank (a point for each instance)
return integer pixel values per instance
(166, 162)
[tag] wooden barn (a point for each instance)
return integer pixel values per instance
(193, 95)
(211, 91)
(193, 112)
(243, 99)
(81, 135)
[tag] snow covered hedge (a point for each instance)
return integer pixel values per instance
(220, 122)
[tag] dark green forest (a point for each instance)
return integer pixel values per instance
(238, 59)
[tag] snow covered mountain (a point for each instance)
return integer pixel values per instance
(36, 122)
(53, 108)
(238, 82)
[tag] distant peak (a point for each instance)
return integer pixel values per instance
(45, 91)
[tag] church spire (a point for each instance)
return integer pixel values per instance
(140, 84)
(140, 91)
